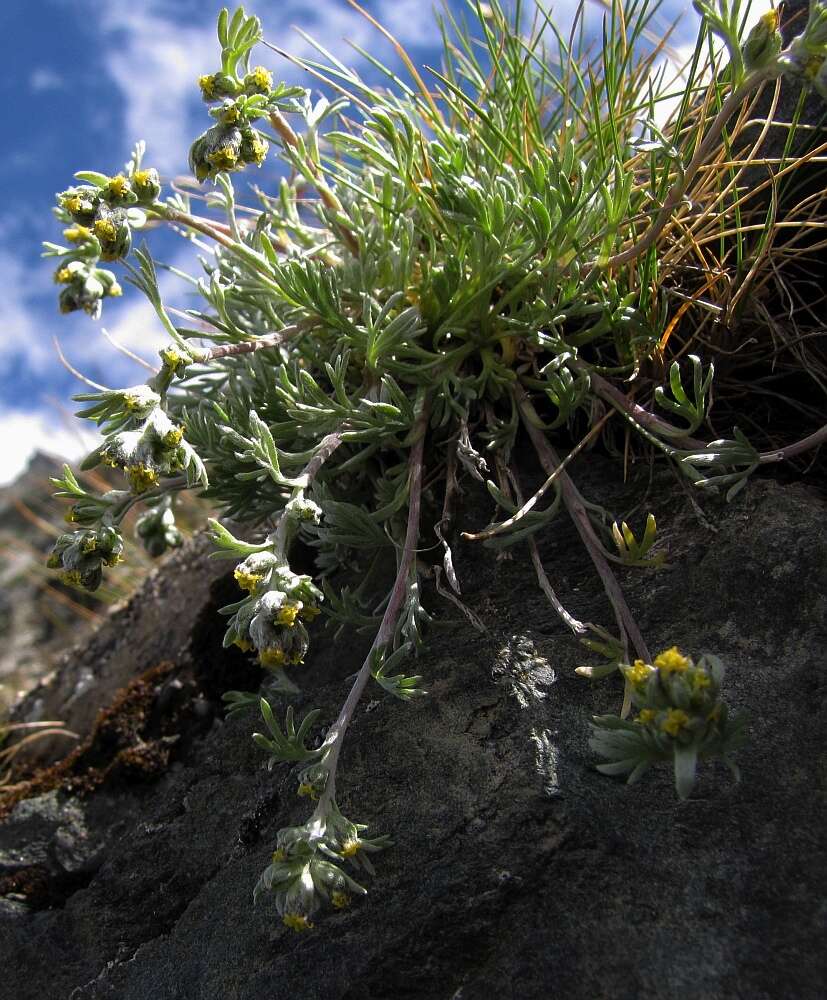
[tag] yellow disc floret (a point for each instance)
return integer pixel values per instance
(261, 78)
(638, 673)
(63, 276)
(340, 899)
(275, 657)
(77, 234)
(350, 848)
(118, 186)
(645, 716)
(676, 719)
(672, 661)
(223, 158)
(207, 86)
(297, 922)
(106, 230)
(247, 581)
(288, 614)
(701, 680)
(141, 477)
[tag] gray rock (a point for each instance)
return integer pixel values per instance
(518, 870)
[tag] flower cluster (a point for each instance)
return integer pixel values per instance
(99, 218)
(233, 142)
(806, 55)
(85, 286)
(679, 717)
(306, 868)
(83, 554)
(157, 530)
(156, 448)
(271, 620)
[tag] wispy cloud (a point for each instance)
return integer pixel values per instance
(23, 433)
(22, 338)
(45, 78)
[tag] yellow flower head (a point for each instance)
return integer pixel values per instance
(675, 721)
(72, 203)
(247, 581)
(256, 151)
(261, 78)
(243, 644)
(115, 290)
(89, 545)
(339, 899)
(306, 789)
(350, 848)
(106, 230)
(118, 186)
(770, 20)
(297, 922)
(141, 477)
(223, 158)
(77, 234)
(173, 438)
(272, 657)
(279, 855)
(700, 679)
(142, 177)
(72, 577)
(288, 614)
(638, 673)
(63, 276)
(645, 716)
(207, 85)
(114, 559)
(672, 661)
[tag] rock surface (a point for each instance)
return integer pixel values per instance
(518, 871)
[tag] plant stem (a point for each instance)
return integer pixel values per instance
(387, 627)
(634, 412)
(676, 192)
(577, 509)
(813, 440)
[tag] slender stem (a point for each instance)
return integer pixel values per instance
(676, 192)
(328, 444)
(813, 440)
(503, 526)
(249, 346)
(173, 486)
(577, 509)
(387, 627)
(313, 172)
(634, 412)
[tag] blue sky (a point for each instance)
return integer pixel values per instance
(83, 80)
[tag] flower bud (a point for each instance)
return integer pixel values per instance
(217, 85)
(119, 191)
(147, 185)
(258, 81)
(763, 43)
(113, 233)
(215, 150)
(81, 203)
(253, 146)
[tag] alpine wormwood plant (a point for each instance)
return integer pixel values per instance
(440, 268)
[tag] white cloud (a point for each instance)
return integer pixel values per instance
(23, 433)
(21, 336)
(45, 78)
